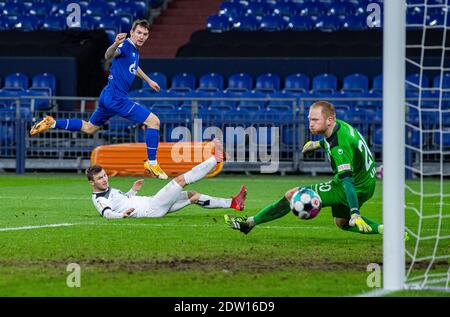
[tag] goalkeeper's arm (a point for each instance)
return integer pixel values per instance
(352, 200)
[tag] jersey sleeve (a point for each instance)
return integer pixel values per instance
(121, 50)
(104, 208)
(342, 157)
(131, 193)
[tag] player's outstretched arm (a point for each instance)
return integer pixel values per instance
(112, 50)
(310, 146)
(140, 73)
(136, 187)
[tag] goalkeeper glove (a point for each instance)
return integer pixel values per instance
(357, 220)
(310, 146)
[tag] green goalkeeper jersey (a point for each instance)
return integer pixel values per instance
(349, 154)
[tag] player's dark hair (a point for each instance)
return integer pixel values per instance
(93, 170)
(142, 23)
(327, 108)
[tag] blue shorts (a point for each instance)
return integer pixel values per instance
(109, 106)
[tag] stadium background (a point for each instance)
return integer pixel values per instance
(251, 63)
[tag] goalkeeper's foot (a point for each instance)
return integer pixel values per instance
(155, 170)
(381, 231)
(238, 223)
(42, 125)
(238, 201)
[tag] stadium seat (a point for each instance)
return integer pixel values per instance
(252, 101)
(377, 83)
(283, 104)
(211, 82)
(36, 104)
(328, 24)
(324, 83)
(224, 102)
(245, 23)
(231, 9)
(193, 95)
(355, 23)
(27, 23)
(286, 9)
(159, 78)
(136, 95)
(272, 23)
(300, 23)
(445, 81)
(267, 83)
(340, 9)
(240, 82)
(11, 9)
(44, 81)
(40, 9)
(414, 79)
(218, 24)
(258, 9)
(297, 83)
(99, 8)
(16, 81)
(183, 82)
(53, 23)
(356, 83)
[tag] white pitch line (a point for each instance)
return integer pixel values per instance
(37, 227)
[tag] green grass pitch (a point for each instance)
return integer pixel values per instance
(187, 253)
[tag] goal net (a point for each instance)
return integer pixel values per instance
(427, 144)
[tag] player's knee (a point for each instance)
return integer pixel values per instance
(180, 180)
(152, 121)
(341, 222)
(193, 196)
(290, 193)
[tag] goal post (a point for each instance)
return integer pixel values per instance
(394, 48)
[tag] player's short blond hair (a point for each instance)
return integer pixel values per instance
(142, 23)
(327, 108)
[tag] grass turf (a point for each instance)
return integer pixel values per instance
(187, 253)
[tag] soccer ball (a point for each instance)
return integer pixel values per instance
(306, 204)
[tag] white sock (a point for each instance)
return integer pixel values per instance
(153, 162)
(213, 202)
(200, 171)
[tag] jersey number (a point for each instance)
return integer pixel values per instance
(367, 154)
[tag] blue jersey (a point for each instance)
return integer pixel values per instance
(123, 69)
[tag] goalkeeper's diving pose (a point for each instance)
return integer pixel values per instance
(112, 203)
(353, 182)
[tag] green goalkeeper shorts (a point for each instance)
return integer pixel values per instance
(332, 194)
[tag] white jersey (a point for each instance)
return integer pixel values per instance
(112, 202)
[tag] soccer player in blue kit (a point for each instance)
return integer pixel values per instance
(114, 97)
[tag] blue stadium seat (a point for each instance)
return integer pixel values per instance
(328, 24)
(223, 103)
(315, 9)
(254, 101)
(370, 99)
(300, 23)
(159, 78)
(193, 95)
(297, 83)
(282, 105)
(40, 9)
(272, 23)
(108, 23)
(163, 102)
(240, 82)
(245, 23)
(218, 23)
(268, 83)
(119, 127)
(231, 9)
(39, 104)
(286, 9)
(4, 103)
(414, 79)
(356, 83)
(16, 81)
(445, 81)
(137, 9)
(54, 23)
(141, 93)
(445, 138)
(183, 82)
(340, 9)
(4, 23)
(324, 83)
(44, 81)
(11, 8)
(27, 23)
(99, 8)
(211, 82)
(377, 83)
(258, 9)
(355, 23)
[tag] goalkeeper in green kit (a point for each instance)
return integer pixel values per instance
(353, 182)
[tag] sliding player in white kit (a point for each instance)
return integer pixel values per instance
(112, 203)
